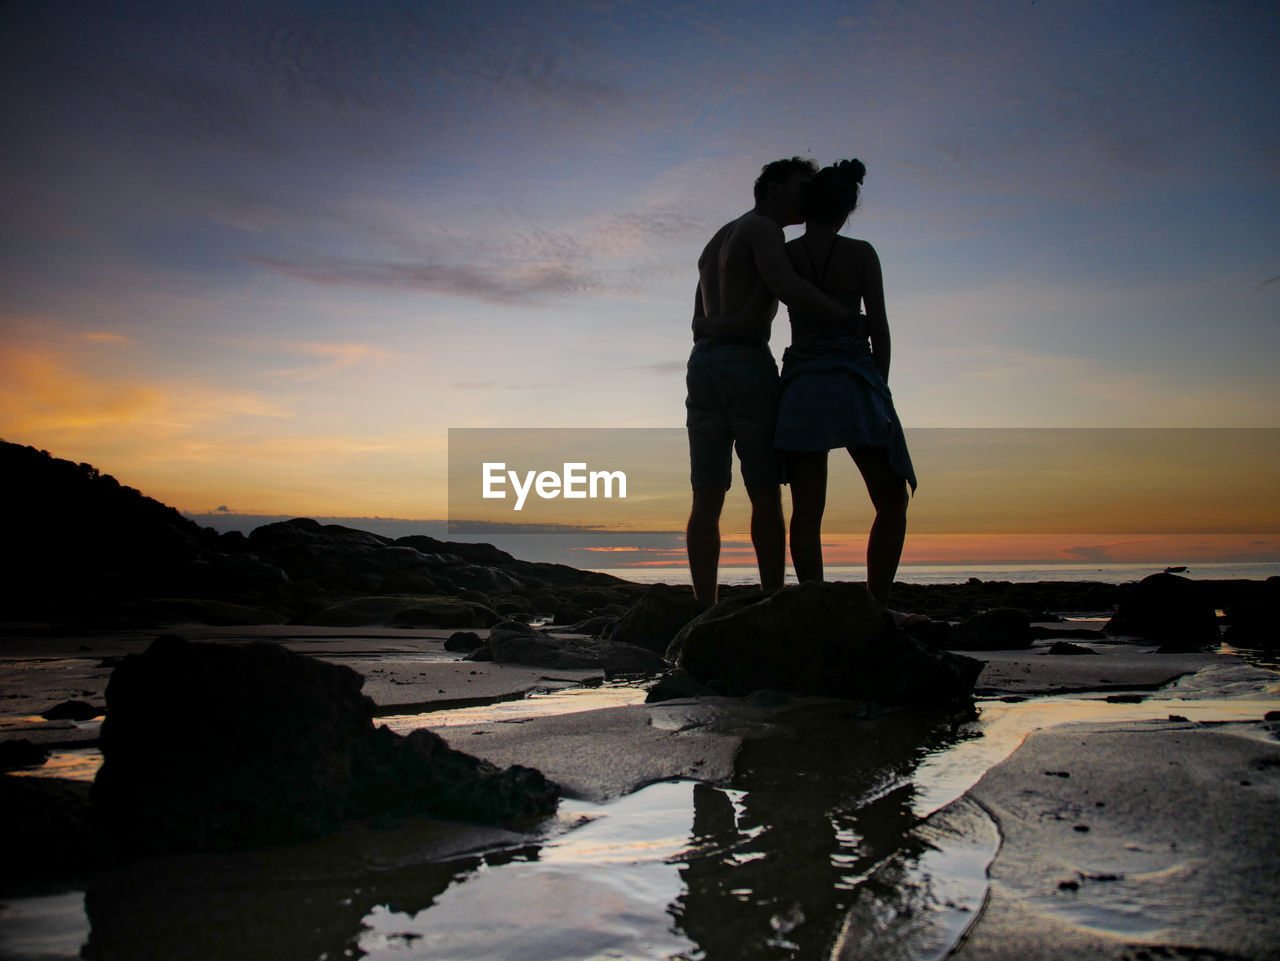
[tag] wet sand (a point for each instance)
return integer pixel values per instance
(1121, 837)
(1103, 839)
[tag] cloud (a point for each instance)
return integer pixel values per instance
(632, 232)
(523, 283)
(1098, 553)
(332, 357)
(42, 393)
(606, 254)
(1269, 280)
(1007, 386)
(107, 338)
(459, 525)
(664, 367)
(490, 385)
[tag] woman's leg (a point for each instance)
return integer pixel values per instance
(889, 497)
(807, 475)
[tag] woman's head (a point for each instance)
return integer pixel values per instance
(832, 194)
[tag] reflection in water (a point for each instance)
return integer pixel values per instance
(45, 926)
(271, 904)
(600, 891)
(775, 865)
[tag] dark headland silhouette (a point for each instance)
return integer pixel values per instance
(87, 551)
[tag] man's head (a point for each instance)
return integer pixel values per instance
(779, 189)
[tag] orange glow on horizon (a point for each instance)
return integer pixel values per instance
(978, 549)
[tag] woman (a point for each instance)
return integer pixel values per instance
(835, 389)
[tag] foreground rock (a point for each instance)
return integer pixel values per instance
(828, 639)
(210, 747)
(46, 829)
(999, 629)
(1256, 622)
(1166, 608)
(15, 755)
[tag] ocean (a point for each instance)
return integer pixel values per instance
(959, 573)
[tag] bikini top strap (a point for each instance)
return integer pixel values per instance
(813, 268)
(820, 279)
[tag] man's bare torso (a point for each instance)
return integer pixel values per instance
(733, 292)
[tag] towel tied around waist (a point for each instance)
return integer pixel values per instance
(833, 395)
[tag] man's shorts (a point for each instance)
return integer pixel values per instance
(732, 400)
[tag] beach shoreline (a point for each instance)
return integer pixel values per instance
(615, 747)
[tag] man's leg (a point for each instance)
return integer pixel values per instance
(702, 541)
(710, 470)
(807, 475)
(768, 534)
(888, 531)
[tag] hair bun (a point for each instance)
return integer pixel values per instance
(833, 193)
(854, 170)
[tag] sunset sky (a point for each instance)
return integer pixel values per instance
(262, 256)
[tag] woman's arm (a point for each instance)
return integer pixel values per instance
(877, 320)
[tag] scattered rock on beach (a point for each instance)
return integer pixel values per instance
(935, 635)
(675, 685)
(1066, 647)
(999, 629)
(827, 639)
(657, 616)
(1166, 608)
(15, 755)
(594, 598)
(1256, 623)
(598, 626)
(72, 711)
(463, 642)
(566, 613)
(513, 604)
(211, 747)
(393, 775)
(520, 644)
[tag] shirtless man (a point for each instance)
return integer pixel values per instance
(732, 378)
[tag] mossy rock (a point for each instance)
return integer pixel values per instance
(196, 610)
(544, 602)
(594, 597)
(514, 604)
(408, 582)
(405, 611)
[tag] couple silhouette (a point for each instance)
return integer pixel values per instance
(833, 390)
